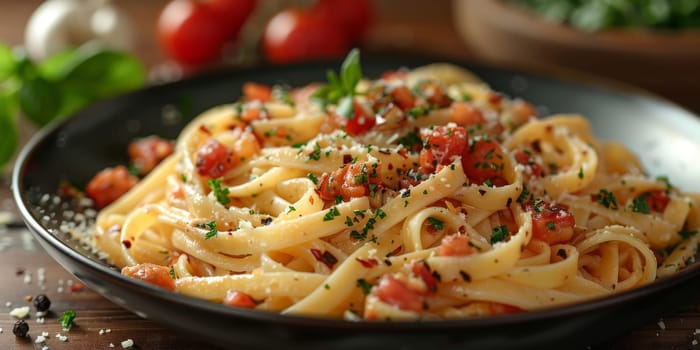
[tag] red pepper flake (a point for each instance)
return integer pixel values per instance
(324, 257)
(19, 271)
(422, 270)
(368, 263)
(76, 287)
(126, 243)
(204, 129)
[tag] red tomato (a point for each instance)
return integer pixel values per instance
(527, 160)
(194, 32)
(393, 291)
(455, 245)
(295, 35)
(255, 91)
(552, 223)
(420, 269)
(350, 181)
(361, 121)
(147, 152)
(503, 309)
(404, 97)
(465, 114)
(484, 160)
(154, 274)
(657, 200)
(442, 145)
(214, 159)
(110, 184)
(355, 16)
(239, 299)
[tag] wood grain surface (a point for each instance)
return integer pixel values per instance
(414, 26)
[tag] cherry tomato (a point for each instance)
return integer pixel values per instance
(154, 274)
(255, 91)
(657, 200)
(147, 152)
(214, 159)
(361, 121)
(355, 16)
(110, 184)
(393, 291)
(442, 145)
(404, 97)
(483, 160)
(552, 223)
(465, 114)
(350, 181)
(295, 35)
(239, 299)
(194, 32)
(455, 245)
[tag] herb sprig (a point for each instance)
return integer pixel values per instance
(340, 88)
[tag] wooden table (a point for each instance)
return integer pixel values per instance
(415, 26)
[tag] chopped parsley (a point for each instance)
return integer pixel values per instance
(316, 154)
(436, 224)
(364, 285)
(550, 226)
(499, 234)
(380, 213)
(331, 214)
(221, 193)
(687, 233)
(665, 180)
(537, 205)
(299, 145)
(338, 199)
(580, 173)
(524, 195)
(212, 230)
(291, 209)
(606, 199)
(281, 94)
(183, 177)
(640, 205)
(417, 111)
(66, 319)
(411, 141)
(172, 272)
(313, 178)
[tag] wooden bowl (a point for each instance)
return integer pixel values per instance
(666, 62)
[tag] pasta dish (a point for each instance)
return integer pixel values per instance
(420, 195)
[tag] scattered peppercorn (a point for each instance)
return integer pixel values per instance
(20, 329)
(42, 303)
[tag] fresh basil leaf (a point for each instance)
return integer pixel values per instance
(56, 67)
(7, 62)
(40, 100)
(351, 72)
(8, 132)
(103, 73)
(345, 108)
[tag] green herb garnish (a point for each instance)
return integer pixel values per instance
(364, 285)
(66, 319)
(436, 224)
(212, 230)
(499, 234)
(221, 193)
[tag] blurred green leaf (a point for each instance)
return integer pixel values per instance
(56, 66)
(100, 74)
(40, 100)
(8, 132)
(7, 62)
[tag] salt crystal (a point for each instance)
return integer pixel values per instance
(20, 312)
(40, 320)
(661, 324)
(127, 344)
(694, 342)
(40, 339)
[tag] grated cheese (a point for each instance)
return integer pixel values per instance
(20, 312)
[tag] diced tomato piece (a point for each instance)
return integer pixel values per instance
(526, 159)
(466, 114)
(253, 113)
(255, 91)
(239, 299)
(110, 184)
(158, 275)
(503, 309)
(442, 145)
(350, 181)
(403, 97)
(393, 291)
(455, 245)
(484, 160)
(552, 223)
(524, 111)
(147, 152)
(420, 269)
(214, 159)
(361, 122)
(657, 200)
(434, 94)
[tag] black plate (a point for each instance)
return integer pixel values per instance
(661, 133)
